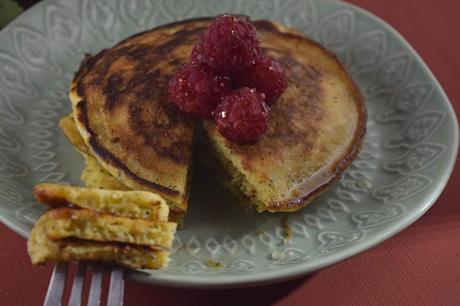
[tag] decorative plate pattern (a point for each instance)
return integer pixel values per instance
(409, 150)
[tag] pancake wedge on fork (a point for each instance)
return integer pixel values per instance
(121, 108)
(86, 224)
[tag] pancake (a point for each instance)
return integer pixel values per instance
(86, 224)
(119, 99)
(315, 129)
(93, 175)
(68, 127)
(130, 204)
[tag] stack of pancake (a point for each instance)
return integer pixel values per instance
(132, 137)
(129, 228)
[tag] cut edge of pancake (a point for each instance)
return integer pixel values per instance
(85, 224)
(130, 204)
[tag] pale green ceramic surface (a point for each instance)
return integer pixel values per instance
(409, 150)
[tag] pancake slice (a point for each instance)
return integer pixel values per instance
(89, 225)
(130, 204)
(135, 257)
(42, 249)
(132, 232)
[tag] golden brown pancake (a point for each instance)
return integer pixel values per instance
(121, 108)
(86, 224)
(130, 204)
(125, 227)
(42, 248)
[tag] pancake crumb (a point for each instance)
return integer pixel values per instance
(287, 230)
(214, 264)
(364, 184)
(276, 255)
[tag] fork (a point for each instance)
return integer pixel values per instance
(59, 276)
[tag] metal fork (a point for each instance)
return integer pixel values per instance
(59, 276)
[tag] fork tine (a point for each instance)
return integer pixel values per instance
(56, 285)
(94, 298)
(77, 287)
(116, 288)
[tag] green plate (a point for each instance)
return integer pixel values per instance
(409, 150)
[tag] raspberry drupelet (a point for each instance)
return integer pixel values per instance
(242, 116)
(197, 89)
(229, 44)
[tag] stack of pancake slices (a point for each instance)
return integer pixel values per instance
(129, 228)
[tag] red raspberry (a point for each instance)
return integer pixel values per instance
(197, 89)
(195, 57)
(230, 43)
(267, 76)
(242, 116)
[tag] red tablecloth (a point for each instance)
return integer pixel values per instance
(420, 266)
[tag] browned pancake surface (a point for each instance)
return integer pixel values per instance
(123, 112)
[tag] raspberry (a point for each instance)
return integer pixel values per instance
(195, 58)
(230, 43)
(197, 89)
(242, 116)
(267, 76)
